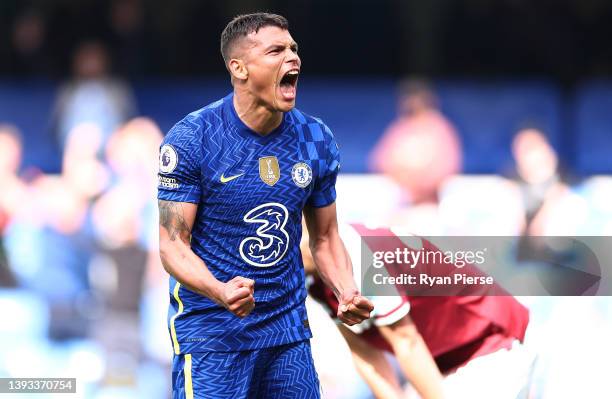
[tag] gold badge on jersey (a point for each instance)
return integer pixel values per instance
(269, 171)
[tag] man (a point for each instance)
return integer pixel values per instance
(474, 340)
(421, 141)
(235, 178)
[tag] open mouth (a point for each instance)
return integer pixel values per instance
(288, 84)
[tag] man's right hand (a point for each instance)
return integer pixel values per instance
(237, 296)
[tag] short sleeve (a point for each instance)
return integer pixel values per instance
(389, 309)
(179, 165)
(324, 192)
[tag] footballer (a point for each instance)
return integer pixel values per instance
(475, 341)
(235, 178)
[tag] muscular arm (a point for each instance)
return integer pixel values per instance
(334, 265)
(373, 366)
(414, 357)
(412, 354)
(327, 248)
(175, 223)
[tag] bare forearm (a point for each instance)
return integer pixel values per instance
(175, 222)
(333, 265)
(179, 260)
(373, 367)
(421, 370)
(189, 270)
(378, 374)
(414, 358)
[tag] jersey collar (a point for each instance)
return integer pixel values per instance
(246, 131)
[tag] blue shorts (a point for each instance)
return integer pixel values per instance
(285, 371)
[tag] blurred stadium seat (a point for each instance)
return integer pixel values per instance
(28, 315)
(592, 128)
(488, 115)
(597, 192)
(71, 236)
(481, 205)
(28, 105)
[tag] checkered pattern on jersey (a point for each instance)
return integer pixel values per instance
(317, 145)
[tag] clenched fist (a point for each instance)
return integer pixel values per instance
(237, 296)
(354, 309)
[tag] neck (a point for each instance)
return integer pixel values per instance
(255, 115)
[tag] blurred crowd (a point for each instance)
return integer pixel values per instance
(421, 153)
(39, 45)
(83, 243)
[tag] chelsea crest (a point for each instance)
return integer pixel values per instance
(301, 173)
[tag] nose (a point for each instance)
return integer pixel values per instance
(292, 57)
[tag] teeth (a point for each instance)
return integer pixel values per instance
(292, 73)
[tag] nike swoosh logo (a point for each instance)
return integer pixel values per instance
(228, 179)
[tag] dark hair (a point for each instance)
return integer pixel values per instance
(242, 25)
(418, 87)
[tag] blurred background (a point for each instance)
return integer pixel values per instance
(453, 116)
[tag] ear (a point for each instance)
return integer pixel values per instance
(238, 69)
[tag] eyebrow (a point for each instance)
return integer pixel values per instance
(282, 45)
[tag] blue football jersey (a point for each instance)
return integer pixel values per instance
(250, 190)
